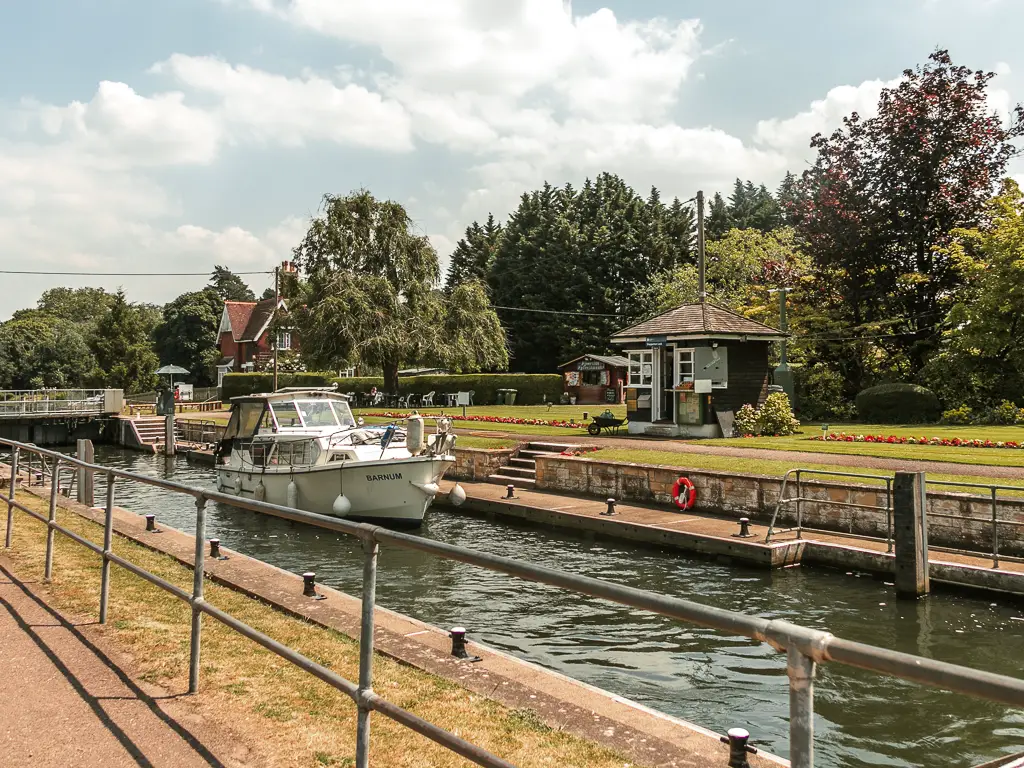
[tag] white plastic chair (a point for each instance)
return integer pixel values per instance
(428, 400)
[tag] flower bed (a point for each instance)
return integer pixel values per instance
(490, 420)
(949, 442)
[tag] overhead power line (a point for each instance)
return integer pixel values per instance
(555, 311)
(123, 274)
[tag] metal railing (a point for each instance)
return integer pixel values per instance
(198, 431)
(799, 500)
(993, 520)
(51, 402)
(805, 648)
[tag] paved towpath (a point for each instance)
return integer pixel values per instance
(795, 458)
(65, 699)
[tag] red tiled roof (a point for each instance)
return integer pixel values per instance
(260, 315)
(698, 320)
(239, 313)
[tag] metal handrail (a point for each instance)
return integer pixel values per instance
(994, 520)
(804, 647)
(799, 498)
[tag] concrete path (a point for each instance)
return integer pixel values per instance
(795, 458)
(65, 700)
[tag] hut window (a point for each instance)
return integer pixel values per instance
(684, 365)
(641, 368)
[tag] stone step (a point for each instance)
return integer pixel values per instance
(532, 455)
(518, 482)
(518, 461)
(542, 447)
(525, 472)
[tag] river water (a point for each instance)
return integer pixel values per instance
(716, 681)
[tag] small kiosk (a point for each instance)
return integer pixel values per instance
(595, 379)
(691, 363)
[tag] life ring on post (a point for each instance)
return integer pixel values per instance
(683, 493)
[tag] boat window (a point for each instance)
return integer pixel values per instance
(317, 413)
(244, 420)
(286, 414)
(345, 417)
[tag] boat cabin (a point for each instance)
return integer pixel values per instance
(692, 364)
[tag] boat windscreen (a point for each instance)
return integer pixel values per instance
(244, 420)
(317, 413)
(286, 414)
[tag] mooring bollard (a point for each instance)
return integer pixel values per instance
(611, 508)
(458, 636)
(738, 747)
(151, 523)
(510, 491)
(215, 549)
(309, 584)
(744, 529)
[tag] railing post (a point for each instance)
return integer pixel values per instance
(108, 542)
(801, 709)
(50, 529)
(799, 507)
(10, 495)
(995, 529)
(888, 514)
(370, 549)
(197, 595)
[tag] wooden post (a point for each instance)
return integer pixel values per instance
(169, 434)
(85, 478)
(910, 532)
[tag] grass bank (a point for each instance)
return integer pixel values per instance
(771, 468)
(289, 717)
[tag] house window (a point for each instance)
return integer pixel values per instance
(684, 365)
(641, 368)
(284, 340)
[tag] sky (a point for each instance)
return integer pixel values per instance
(173, 135)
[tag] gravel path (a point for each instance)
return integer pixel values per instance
(796, 458)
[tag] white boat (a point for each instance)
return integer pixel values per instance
(303, 449)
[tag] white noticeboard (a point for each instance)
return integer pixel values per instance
(702, 386)
(463, 398)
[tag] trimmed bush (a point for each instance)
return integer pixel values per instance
(745, 422)
(239, 384)
(958, 416)
(898, 404)
(531, 389)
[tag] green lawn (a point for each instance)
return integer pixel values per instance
(554, 413)
(468, 441)
(768, 467)
(1001, 457)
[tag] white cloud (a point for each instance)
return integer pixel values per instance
(292, 111)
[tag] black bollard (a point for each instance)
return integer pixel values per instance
(611, 508)
(151, 523)
(215, 550)
(510, 491)
(309, 584)
(744, 529)
(738, 747)
(458, 636)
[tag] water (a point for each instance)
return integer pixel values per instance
(719, 682)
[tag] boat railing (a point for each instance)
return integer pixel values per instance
(805, 647)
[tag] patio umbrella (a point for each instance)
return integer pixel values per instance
(171, 370)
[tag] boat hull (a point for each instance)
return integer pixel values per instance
(394, 493)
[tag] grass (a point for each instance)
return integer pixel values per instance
(493, 443)
(999, 457)
(287, 715)
(767, 466)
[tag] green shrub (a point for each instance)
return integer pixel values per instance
(820, 394)
(898, 404)
(775, 417)
(961, 415)
(1004, 413)
(240, 384)
(745, 422)
(531, 389)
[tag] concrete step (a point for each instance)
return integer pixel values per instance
(532, 455)
(518, 461)
(541, 447)
(524, 472)
(518, 482)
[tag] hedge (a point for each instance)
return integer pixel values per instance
(239, 384)
(531, 389)
(898, 404)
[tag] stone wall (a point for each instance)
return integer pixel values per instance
(755, 496)
(478, 463)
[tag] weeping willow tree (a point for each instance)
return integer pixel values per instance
(370, 296)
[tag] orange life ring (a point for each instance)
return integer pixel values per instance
(683, 493)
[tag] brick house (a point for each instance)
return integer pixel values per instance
(688, 364)
(244, 336)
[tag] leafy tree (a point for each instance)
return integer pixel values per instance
(229, 286)
(877, 208)
(40, 350)
(369, 296)
(788, 198)
(78, 305)
(187, 336)
(981, 361)
(474, 254)
(123, 349)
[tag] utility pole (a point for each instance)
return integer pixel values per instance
(783, 375)
(701, 291)
(273, 337)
